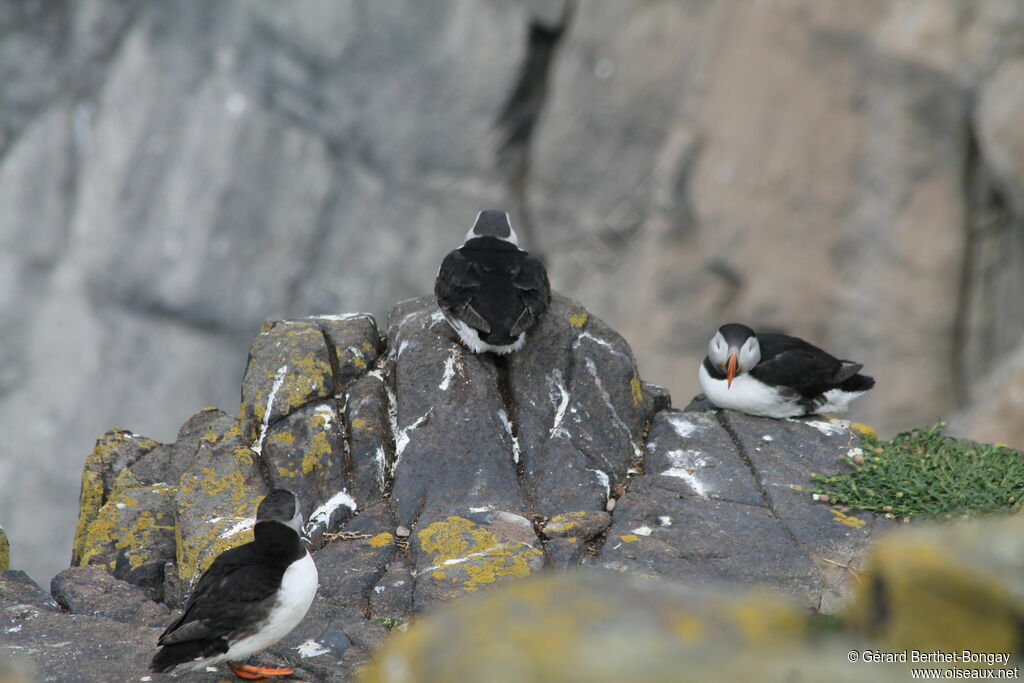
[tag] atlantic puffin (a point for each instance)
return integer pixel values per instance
(491, 291)
(775, 375)
(250, 597)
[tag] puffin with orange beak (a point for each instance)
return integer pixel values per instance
(775, 375)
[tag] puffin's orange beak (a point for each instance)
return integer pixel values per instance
(731, 371)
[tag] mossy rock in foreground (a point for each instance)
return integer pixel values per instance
(946, 587)
(584, 626)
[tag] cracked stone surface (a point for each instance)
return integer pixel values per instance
(558, 457)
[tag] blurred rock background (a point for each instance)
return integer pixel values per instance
(171, 174)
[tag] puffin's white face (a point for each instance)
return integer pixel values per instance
(296, 521)
(731, 360)
(718, 350)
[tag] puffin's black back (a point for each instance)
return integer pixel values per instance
(494, 287)
(792, 362)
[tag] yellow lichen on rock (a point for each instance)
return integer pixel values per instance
(945, 587)
(5, 552)
(864, 429)
(128, 525)
(636, 390)
(588, 626)
(578, 319)
(849, 520)
(381, 540)
(470, 555)
(107, 458)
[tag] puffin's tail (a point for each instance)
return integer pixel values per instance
(170, 656)
(857, 383)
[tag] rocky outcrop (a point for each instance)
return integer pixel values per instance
(792, 166)
(427, 473)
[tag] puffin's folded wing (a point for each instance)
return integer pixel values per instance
(531, 282)
(458, 282)
(808, 372)
(225, 596)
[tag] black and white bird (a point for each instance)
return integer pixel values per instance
(774, 375)
(248, 599)
(491, 291)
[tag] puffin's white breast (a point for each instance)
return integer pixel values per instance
(298, 586)
(748, 395)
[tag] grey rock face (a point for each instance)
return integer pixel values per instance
(93, 591)
(170, 177)
(717, 500)
(429, 473)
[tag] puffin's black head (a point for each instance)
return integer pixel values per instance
(281, 505)
(734, 349)
(493, 223)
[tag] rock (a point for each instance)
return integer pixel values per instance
(76, 647)
(114, 452)
(567, 535)
(453, 446)
(996, 118)
(585, 626)
(354, 344)
(16, 588)
(370, 442)
(289, 366)
(167, 462)
(331, 643)
(350, 565)
(133, 536)
(92, 591)
(217, 498)
(994, 415)
(392, 598)
(305, 453)
(456, 555)
(955, 586)
(717, 502)
(440, 473)
(575, 384)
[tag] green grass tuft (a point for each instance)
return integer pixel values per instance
(922, 473)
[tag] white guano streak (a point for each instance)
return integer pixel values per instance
(592, 367)
(322, 515)
(449, 370)
(257, 445)
(563, 402)
(507, 423)
(605, 481)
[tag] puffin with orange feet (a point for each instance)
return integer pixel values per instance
(251, 597)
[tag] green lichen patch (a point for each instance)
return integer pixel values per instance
(468, 556)
(289, 366)
(923, 473)
(112, 454)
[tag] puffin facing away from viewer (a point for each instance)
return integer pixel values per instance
(249, 598)
(774, 375)
(489, 289)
